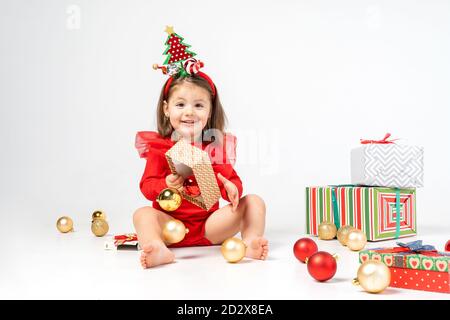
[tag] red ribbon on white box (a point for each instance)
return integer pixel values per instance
(382, 141)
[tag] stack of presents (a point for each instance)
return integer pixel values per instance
(381, 201)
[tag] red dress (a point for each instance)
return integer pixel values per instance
(152, 147)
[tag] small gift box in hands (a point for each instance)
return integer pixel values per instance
(189, 161)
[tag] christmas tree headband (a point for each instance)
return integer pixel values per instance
(180, 62)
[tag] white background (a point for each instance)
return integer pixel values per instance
(301, 83)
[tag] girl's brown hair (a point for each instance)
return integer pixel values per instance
(217, 118)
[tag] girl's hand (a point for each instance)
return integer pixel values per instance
(175, 181)
(232, 191)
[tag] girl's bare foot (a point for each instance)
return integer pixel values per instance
(155, 254)
(257, 248)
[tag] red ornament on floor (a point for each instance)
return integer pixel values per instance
(304, 248)
(447, 246)
(322, 266)
(191, 187)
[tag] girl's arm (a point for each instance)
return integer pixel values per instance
(226, 153)
(229, 173)
(154, 178)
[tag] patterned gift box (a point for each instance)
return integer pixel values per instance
(383, 163)
(413, 269)
(185, 159)
(401, 258)
(420, 280)
(370, 209)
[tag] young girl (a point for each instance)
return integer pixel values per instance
(188, 108)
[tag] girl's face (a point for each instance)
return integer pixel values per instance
(188, 107)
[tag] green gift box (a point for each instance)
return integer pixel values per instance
(370, 209)
(403, 258)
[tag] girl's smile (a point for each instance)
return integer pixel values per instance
(188, 122)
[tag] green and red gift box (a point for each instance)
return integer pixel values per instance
(400, 257)
(370, 209)
(413, 269)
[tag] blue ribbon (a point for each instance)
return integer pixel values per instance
(336, 214)
(416, 246)
(337, 221)
(397, 213)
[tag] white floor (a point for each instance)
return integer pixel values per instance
(44, 264)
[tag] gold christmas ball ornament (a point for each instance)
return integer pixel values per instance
(174, 231)
(327, 230)
(169, 199)
(356, 240)
(99, 227)
(98, 214)
(233, 250)
(373, 276)
(343, 232)
(64, 224)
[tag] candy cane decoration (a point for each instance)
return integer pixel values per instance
(192, 66)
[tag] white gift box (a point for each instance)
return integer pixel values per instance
(387, 165)
(129, 245)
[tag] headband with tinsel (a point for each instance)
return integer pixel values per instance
(180, 62)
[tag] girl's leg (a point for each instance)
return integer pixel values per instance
(148, 223)
(249, 218)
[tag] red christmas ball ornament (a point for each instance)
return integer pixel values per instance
(322, 266)
(191, 187)
(447, 246)
(304, 248)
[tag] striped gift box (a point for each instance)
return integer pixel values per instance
(370, 209)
